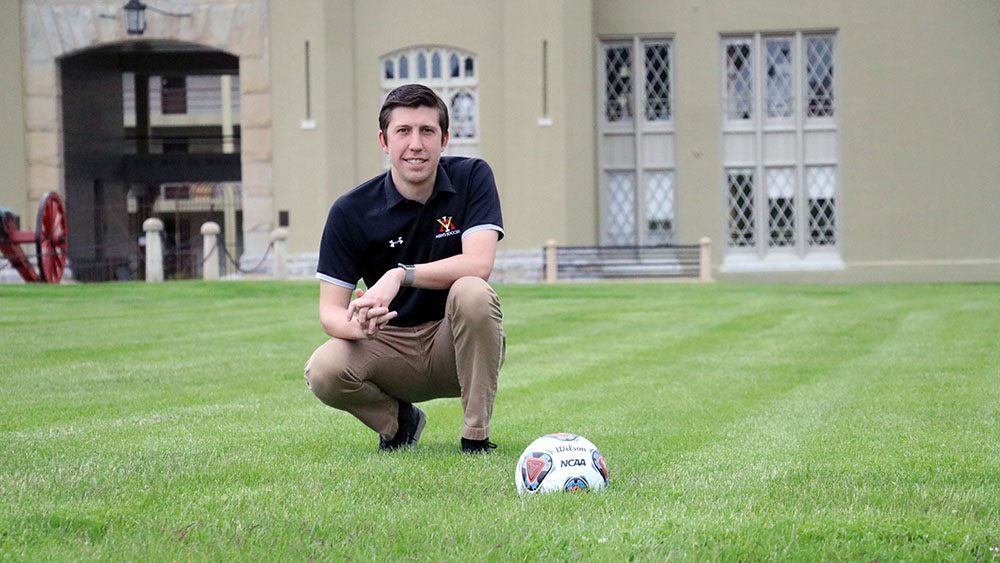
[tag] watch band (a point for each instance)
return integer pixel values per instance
(410, 270)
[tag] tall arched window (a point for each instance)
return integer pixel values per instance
(453, 75)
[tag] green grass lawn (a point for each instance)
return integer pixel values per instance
(747, 422)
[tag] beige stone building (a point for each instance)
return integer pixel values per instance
(811, 140)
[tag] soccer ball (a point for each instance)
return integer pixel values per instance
(560, 462)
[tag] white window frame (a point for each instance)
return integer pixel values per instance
(796, 142)
(445, 86)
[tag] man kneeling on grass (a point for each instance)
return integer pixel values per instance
(423, 237)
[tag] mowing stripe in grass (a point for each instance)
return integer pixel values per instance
(740, 423)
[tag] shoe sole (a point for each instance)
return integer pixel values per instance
(477, 451)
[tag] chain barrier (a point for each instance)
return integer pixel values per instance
(4, 264)
(210, 253)
(255, 269)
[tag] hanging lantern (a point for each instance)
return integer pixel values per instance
(135, 17)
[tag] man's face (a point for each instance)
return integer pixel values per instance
(414, 144)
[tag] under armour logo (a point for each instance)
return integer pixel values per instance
(393, 243)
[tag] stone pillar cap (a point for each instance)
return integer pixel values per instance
(210, 228)
(281, 233)
(152, 224)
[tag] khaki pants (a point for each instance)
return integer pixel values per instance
(458, 356)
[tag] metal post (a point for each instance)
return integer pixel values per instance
(705, 260)
(153, 228)
(551, 266)
(210, 250)
(278, 238)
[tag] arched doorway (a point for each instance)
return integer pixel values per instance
(76, 101)
(149, 128)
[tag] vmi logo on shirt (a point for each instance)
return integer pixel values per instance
(446, 228)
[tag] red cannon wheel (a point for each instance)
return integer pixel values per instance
(50, 238)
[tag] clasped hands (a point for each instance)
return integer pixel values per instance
(370, 310)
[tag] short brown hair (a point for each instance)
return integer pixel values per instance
(413, 96)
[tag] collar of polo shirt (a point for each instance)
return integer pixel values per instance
(393, 198)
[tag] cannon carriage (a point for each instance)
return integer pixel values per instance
(49, 238)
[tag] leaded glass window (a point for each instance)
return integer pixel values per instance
(657, 63)
(780, 147)
(819, 76)
(620, 219)
(463, 114)
(451, 73)
(635, 126)
(660, 207)
(820, 184)
(740, 199)
(739, 79)
(780, 184)
(618, 84)
(779, 81)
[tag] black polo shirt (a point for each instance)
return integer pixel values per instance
(373, 228)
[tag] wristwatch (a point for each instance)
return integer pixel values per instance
(410, 270)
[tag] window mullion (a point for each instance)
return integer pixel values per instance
(638, 113)
(801, 205)
(760, 193)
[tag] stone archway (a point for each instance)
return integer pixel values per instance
(53, 29)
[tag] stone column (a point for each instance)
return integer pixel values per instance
(210, 250)
(551, 265)
(705, 260)
(256, 157)
(279, 238)
(153, 228)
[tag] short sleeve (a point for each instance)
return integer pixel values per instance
(483, 207)
(338, 252)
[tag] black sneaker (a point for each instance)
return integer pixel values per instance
(411, 424)
(477, 446)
